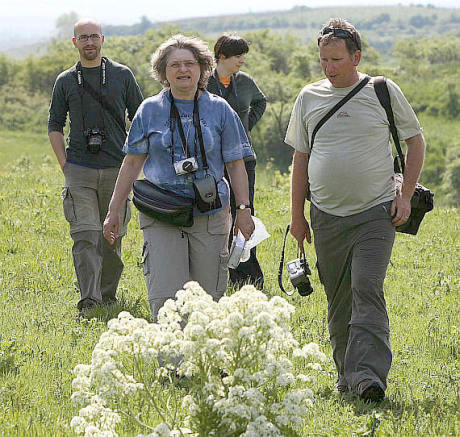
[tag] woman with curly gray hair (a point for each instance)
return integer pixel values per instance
(179, 137)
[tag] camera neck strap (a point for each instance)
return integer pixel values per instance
(300, 254)
(174, 115)
(85, 86)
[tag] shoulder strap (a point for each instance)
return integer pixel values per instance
(83, 85)
(381, 89)
(342, 102)
(104, 103)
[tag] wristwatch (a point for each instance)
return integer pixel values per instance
(243, 206)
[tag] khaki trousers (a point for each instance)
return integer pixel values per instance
(174, 255)
(352, 258)
(86, 198)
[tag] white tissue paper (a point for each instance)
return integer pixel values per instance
(240, 250)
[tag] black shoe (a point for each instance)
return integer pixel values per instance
(341, 387)
(372, 393)
(86, 304)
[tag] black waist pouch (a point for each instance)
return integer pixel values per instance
(162, 205)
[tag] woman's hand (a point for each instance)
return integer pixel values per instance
(244, 223)
(111, 226)
(129, 171)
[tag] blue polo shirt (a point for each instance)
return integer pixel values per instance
(224, 141)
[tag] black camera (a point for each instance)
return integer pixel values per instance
(94, 139)
(299, 270)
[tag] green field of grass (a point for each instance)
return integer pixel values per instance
(42, 337)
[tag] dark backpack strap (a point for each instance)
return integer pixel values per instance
(381, 89)
(342, 102)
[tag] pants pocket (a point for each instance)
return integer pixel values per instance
(125, 218)
(68, 205)
(222, 276)
(320, 277)
(145, 261)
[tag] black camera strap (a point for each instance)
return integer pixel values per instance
(174, 115)
(300, 254)
(97, 96)
(336, 107)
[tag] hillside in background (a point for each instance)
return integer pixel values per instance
(382, 25)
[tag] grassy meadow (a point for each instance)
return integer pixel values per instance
(42, 337)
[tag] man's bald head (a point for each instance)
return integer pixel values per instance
(82, 23)
(88, 40)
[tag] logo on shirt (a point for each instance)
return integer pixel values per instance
(343, 114)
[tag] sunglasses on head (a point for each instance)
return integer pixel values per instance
(339, 33)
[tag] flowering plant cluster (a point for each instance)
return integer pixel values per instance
(205, 369)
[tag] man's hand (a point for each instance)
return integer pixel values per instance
(400, 210)
(111, 226)
(244, 223)
(300, 230)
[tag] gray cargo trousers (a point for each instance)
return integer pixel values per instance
(86, 197)
(352, 258)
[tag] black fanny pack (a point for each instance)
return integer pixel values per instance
(162, 205)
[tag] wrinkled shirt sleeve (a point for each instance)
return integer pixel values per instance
(296, 134)
(58, 108)
(137, 141)
(235, 143)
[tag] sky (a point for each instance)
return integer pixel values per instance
(28, 19)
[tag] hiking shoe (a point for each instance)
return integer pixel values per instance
(372, 393)
(341, 387)
(86, 307)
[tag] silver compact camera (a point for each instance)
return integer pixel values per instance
(298, 274)
(186, 166)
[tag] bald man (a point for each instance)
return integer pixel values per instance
(96, 93)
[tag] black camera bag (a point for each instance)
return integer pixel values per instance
(422, 199)
(162, 205)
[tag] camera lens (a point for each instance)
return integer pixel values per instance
(187, 166)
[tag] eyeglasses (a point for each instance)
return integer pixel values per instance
(340, 33)
(93, 37)
(186, 64)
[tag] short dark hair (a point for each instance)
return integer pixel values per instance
(230, 44)
(353, 43)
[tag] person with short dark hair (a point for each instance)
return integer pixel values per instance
(246, 98)
(348, 169)
(96, 93)
(185, 122)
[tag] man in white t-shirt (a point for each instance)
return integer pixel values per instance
(354, 208)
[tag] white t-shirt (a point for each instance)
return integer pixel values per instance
(351, 167)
